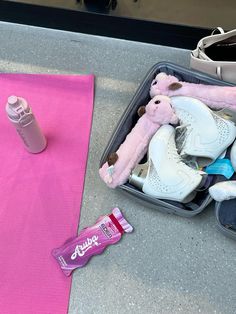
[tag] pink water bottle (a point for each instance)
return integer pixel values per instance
(21, 116)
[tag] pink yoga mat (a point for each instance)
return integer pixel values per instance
(40, 194)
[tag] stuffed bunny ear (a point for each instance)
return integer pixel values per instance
(112, 159)
(174, 86)
(141, 111)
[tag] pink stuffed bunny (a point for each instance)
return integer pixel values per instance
(216, 97)
(117, 170)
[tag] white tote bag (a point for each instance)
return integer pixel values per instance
(216, 55)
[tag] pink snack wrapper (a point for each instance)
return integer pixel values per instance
(76, 252)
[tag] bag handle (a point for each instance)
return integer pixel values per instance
(205, 42)
(209, 40)
(219, 29)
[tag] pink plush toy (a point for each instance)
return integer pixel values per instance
(117, 169)
(216, 97)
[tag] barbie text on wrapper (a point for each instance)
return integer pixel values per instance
(91, 241)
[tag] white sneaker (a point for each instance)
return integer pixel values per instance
(207, 135)
(166, 176)
(222, 191)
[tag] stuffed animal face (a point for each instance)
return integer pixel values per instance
(160, 111)
(161, 83)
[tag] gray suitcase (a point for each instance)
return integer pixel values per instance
(130, 117)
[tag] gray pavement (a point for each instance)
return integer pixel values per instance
(169, 264)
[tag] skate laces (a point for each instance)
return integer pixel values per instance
(175, 154)
(188, 161)
(181, 135)
(182, 131)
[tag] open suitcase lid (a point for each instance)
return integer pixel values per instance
(225, 210)
(130, 117)
(226, 216)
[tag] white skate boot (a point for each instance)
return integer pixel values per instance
(207, 135)
(165, 176)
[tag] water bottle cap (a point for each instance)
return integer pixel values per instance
(17, 108)
(13, 100)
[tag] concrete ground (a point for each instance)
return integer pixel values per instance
(168, 264)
